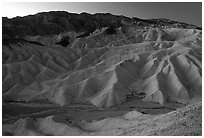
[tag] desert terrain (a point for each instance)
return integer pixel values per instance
(100, 74)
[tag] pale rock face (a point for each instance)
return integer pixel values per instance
(173, 72)
(159, 66)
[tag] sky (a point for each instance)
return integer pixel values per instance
(189, 12)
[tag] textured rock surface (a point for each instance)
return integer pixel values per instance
(113, 69)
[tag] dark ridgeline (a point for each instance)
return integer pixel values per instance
(56, 22)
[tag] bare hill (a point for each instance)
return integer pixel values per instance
(151, 67)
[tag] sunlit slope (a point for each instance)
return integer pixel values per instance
(164, 65)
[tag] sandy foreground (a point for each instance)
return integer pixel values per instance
(122, 120)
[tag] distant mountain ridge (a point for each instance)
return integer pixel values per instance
(56, 22)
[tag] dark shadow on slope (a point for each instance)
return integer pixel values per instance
(8, 42)
(111, 30)
(65, 41)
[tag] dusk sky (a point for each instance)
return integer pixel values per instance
(189, 12)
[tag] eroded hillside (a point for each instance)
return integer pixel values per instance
(124, 70)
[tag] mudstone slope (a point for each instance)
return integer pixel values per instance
(131, 68)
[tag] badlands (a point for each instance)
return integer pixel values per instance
(100, 74)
